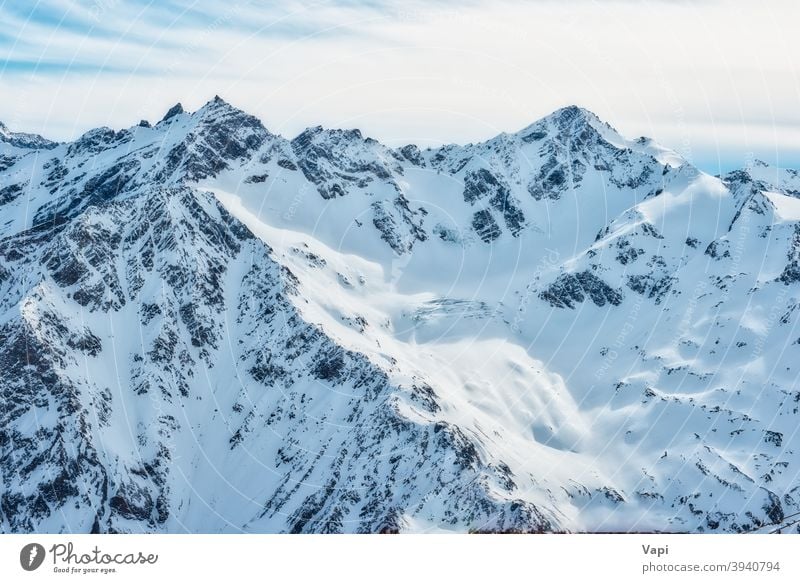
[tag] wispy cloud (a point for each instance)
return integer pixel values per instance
(717, 80)
(118, 35)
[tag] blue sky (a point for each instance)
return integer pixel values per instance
(717, 80)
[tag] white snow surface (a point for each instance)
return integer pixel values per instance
(556, 330)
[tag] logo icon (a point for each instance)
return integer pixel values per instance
(31, 556)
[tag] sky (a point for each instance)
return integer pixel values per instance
(716, 80)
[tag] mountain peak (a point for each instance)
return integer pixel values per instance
(571, 112)
(573, 117)
(176, 109)
(217, 110)
(25, 140)
(334, 133)
(569, 122)
(217, 103)
(767, 176)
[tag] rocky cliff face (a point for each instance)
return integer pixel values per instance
(209, 328)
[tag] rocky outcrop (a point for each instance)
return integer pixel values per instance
(571, 288)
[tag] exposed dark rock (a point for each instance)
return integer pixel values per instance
(534, 136)
(132, 502)
(773, 437)
(287, 164)
(413, 155)
(322, 156)
(651, 285)
(791, 273)
(571, 288)
(482, 184)
(86, 342)
(256, 178)
(485, 226)
(398, 225)
(11, 192)
(176, 109)
(718, 249)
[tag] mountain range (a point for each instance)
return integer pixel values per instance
(207, 327)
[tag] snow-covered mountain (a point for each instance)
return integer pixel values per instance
(207, 327)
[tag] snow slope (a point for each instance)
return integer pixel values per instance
(207, 327)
